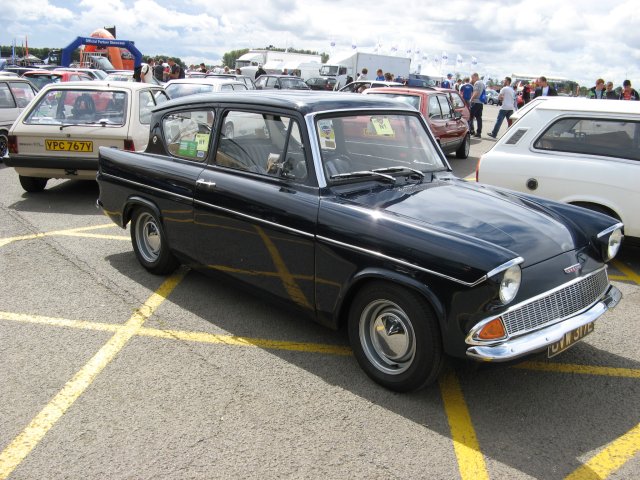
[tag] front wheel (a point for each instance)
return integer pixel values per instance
(4, 145)
(395, 337)
(463, 149)
(32, 184)
(150, 243)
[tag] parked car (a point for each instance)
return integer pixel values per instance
(577, 151)
(457, 101)
(42, 77)
(248, 81)
(280, 82)
(15, 95)
(447, 125)
(58, 134)
(127, 76)
(353, 202)
(492, 97)
(321, 83)
(361, 85)
(94, 73)
(18, 69)
(190, 86)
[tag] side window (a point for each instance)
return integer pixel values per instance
(271, 82)
(6, 99)
(160, 97)
(445, 107)
(457, 101)
(145, 104)
(602, 137)
(261, 82)
(434, 108)
(188, 134)
(227, 87)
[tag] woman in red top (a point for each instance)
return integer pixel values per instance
(627, 92)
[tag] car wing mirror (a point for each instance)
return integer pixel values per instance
(457, 115)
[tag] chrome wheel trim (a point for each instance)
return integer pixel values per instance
(148, 237)
(467, 145)
(387, 337)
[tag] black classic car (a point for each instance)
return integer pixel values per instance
(344, 207)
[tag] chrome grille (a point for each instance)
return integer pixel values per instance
(557, 305)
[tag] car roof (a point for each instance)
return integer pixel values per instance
(304, 102)
(589, 105)
(100, 85)
(407, 90)
(205, 81)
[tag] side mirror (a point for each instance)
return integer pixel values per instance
(457, 115)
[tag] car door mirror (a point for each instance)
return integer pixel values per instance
(457, 115)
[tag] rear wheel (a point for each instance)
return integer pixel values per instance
(150, 243)
(463, 149)
(395, 337)
(4, 145)
(33, 184)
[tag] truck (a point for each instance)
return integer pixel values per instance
(351, 64)
(274, 62)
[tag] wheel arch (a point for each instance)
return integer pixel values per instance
(598, 207)
(369, 275)
(137, 201)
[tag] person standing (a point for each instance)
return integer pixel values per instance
(147, 71)
(627, 92)
(477, 105)
(508, 98)
(545, 90)
(526, 92)
(610, 93)
(260, 71)
(176, 70)
(158, 71)
(447, 83)
(598, 92)
(363, 74)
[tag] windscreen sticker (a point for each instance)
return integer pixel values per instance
(188, 148)
(202, 140)
(327, 134)
(382, 126)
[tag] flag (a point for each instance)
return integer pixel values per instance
(459, 60)
(474, 61)
(26, 39)
(13, 51)
(445, 57)
(354, 45)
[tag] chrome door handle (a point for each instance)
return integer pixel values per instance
(205, 184)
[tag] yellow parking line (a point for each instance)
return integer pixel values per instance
(619, 278)
(5, 241)
(59, 322)
(29, 438)
(580, 369)
(630, 274)
(470, 460)
(614, 456)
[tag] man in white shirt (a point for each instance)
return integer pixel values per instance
(508, 98)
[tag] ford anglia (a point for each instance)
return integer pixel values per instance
(343, 207)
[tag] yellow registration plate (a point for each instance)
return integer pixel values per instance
(569, 339)
(69, 145)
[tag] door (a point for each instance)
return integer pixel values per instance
(256, 206)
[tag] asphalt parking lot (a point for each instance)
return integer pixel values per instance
(110, 372)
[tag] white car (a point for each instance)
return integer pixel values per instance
(59, 133)
(578, 151)
(15, 95)
(181, 87)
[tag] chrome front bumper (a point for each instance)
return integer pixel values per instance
(535, 341)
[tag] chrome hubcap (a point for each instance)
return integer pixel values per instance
(387, 337)
(148, 237)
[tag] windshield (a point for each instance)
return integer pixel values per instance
(413, 100)
(83, 107)
(368, 141)
(293, 83)
(177, 90)
(329, 70)
(40, 80)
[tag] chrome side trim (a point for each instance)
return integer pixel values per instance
(401, 262)
(541, 339)
(255, 219)
(471, 338)
(137, 184)
(610, 229)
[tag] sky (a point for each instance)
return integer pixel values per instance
(581, 41)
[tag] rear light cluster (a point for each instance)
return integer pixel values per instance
(13, 144)
(129, 146)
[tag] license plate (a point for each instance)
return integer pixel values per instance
(69, 145)
(569, 339)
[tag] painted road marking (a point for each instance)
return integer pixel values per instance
(580, 369)
(465, 443)
(29, 438)
(68, 232)
(629, 274)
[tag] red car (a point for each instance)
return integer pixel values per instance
(40, 78)
(457, 101)
(448, 125)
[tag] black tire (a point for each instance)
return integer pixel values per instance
(150, 243)
(33, 184)
(465, 146)
(404, 363)
(4, 145)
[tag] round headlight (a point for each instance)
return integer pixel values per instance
(510, 284)
(613, 245)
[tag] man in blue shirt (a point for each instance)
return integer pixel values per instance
(448, 81)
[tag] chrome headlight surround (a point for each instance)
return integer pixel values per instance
(510, 279)
(610, 241)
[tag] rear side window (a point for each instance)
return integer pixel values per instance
(188, 134)
(591, 136)
(434, 108)
(6, 99)
(22, 92)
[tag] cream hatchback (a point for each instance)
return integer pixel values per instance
(59, 134)
(577, 151)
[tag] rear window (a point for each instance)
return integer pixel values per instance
(40, 80)
(413, 100)
(80, 107)
(593, 136)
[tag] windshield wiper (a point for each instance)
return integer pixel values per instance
(363, 173)
(76, 124)
(399, 169)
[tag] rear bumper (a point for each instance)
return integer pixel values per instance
(540, 339)
(48, 162)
